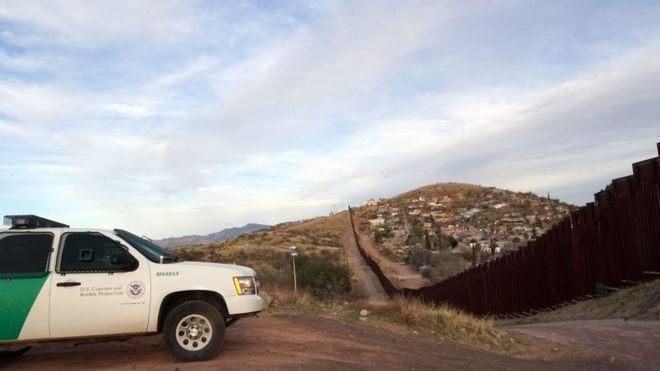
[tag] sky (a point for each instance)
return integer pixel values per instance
(186, 117)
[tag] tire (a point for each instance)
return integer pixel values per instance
(194, 331)
(4, 354)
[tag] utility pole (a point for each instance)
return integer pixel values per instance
(294, 253)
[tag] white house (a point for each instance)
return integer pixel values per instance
(377, 221)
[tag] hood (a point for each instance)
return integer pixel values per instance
(239, 269)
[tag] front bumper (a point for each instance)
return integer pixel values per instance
(244, 304)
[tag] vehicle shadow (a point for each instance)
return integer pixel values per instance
(144, 351)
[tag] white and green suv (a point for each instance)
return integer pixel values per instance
(61, 283)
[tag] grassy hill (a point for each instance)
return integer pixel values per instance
(317, 240)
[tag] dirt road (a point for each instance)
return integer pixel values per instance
(400, 275)
(635, 343)
(301, 342)
(373, 290)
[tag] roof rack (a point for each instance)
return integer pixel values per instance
(31, 221)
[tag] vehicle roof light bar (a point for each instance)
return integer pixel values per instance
(31, 221)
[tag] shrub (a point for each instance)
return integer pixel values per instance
(321, 277)
(428, 273)
(191, 254)
(316, 241)
(266, 273)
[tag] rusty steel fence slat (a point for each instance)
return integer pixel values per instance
(610, 242)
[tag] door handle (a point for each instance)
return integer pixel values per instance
(68, 284)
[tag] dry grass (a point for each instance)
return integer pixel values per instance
(284, 300)
(442, 321)
(640, 302)
(457, 191)
(416, 317)
(267, 251)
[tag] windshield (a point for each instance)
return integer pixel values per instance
(147, 248)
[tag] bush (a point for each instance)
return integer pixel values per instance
(428, 273)
(321, 277)
(267, 274)
(385, 233)
(191, 254)
(602, 290)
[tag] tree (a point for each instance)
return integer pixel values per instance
(417, 232)
(446, 241)
(476, 252)
(385, 233)
(537, 222)
(492, 246)
(433, 242)
(419, 257)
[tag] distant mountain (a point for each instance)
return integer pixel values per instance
(210, 238)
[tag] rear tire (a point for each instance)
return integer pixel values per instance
(194, 331)
(4, 354)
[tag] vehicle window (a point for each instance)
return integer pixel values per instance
(25, 253)
(88, 252)
(147, 248)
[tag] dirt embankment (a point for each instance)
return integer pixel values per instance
(306, 342)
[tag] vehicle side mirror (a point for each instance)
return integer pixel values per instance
(124, 261)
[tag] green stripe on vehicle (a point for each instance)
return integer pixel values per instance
(17, 295)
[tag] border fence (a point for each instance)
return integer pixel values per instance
(609, 243)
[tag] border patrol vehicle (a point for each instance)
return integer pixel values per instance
(60, 283)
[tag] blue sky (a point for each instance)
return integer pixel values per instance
(179, 117)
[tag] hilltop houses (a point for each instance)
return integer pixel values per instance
(498, 220)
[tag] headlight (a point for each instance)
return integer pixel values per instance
(245, 285)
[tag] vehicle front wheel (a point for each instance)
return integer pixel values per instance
(194, 331)
(13, 352)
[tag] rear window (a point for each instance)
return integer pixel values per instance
(24, 253)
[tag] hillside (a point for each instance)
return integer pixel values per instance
(444, 228)
(209, 238)
(438, 230)
(318, 241)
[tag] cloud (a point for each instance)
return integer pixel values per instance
(90, 22)
(185, 117)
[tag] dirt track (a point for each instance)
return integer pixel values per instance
(303, 342)
(401, 275)
(361, 272)
(636, 343)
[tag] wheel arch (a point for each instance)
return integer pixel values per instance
(174, 299)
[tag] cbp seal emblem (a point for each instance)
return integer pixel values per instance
(135, 290)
